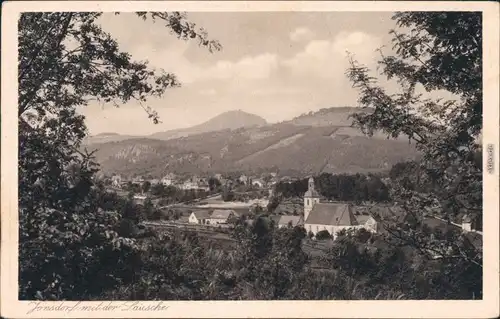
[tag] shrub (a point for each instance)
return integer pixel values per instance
(324, 234)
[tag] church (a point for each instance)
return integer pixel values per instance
(332, 217)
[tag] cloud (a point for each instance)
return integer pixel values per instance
(301, 34)
(361, 44)
(249, 67)
(328, 59)
(319, 59)
(208, 92)
(173, 59)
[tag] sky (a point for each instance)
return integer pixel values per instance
(277, 65)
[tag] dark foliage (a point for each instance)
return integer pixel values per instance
(324, 234)
(357, 188)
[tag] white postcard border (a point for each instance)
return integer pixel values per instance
(12, 308)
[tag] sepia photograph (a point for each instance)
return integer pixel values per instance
(248, 155)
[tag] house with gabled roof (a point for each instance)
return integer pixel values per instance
(469, 237)
(369, 222)
(168, 179)
(116, 180)
(289, 221)
(221, 216)
(199, 217)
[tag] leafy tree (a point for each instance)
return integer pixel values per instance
(170, 191)
(376, 190)
(323, 235)
(148, 208)
(129, 210)
(68, 246)
(213, 183)
(437, 51)
(227, 194)
(146, 186)
(267, 178)
(257, 209)
(157, 189)
(273, 204)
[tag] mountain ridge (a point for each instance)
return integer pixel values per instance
(229, 120)
(310, 118)
(316, 147)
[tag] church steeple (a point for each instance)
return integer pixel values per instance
(311, 197)
(311, 183)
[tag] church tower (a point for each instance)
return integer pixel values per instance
(311, 197)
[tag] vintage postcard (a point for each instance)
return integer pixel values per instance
(204, 159)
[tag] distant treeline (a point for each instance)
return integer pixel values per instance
(343, 187)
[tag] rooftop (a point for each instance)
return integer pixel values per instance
(223, 213)
(384, 212)
(335, 214)
(311, 193)
(184, 219)
(362, 219)
(287, 219)
(202, 214)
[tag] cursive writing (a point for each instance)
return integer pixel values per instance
(65, 306)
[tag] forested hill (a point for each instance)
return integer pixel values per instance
(229, 120)
(286, 147)
(333, 116)
(303, 145)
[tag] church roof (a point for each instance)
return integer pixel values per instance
(311, 193)
(335, 214)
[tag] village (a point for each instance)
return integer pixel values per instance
(209, 201)
(217, 202)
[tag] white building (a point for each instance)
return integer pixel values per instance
(218, 216)
(258, 183)
(154, 181)
(138, 180)
(199, 217)
(168, 180)
(311, 197)
(243, 179)
(189, 184)
(221, 216)
(467, 223)
(116, 180)
(332, 217)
